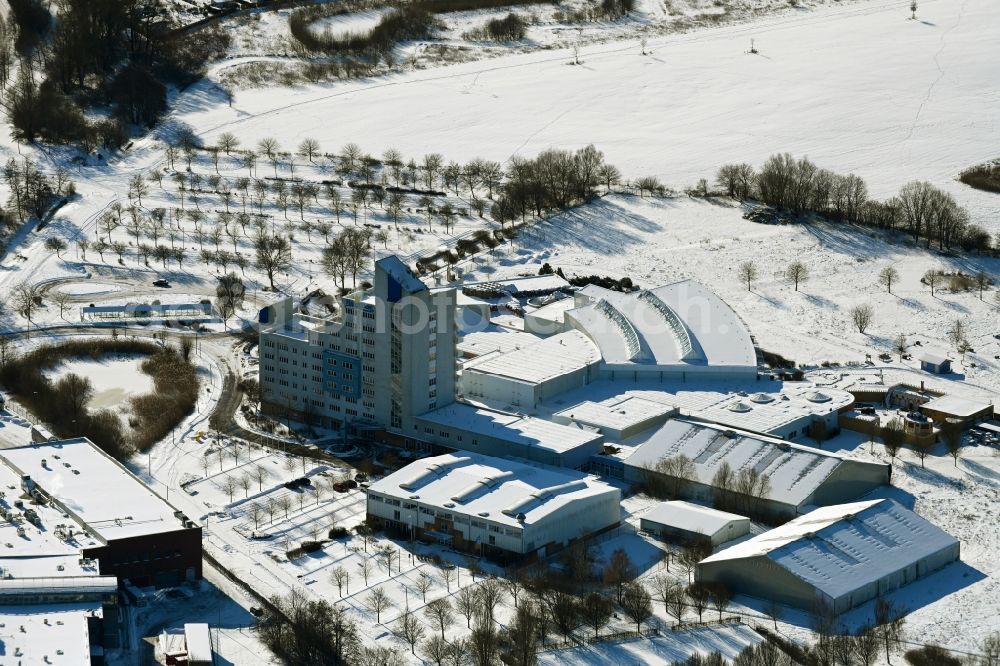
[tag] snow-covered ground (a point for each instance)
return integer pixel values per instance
(857, 88)
(114, 380)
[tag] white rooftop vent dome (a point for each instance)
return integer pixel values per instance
(761, 398)
(817, 396)
(740, 407)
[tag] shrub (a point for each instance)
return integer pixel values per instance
(931, 655)
(510, 28)
(982, 177)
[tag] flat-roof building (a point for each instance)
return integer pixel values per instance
(120, 522)
(496, 433)
(504, 507)
(841, 555)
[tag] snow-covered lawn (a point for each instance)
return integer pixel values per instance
(114, 380)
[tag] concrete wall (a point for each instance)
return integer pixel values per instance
(732, 530)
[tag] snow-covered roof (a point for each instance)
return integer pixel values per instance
(501, 490)
(51, 547)
(954, 405)
(844, 547)
(97, 490)
(396, 269)
(691, 517)
(553, 311)
(683, 323)
(515, 428)
(542, 361)
(48, 634)
(794, 471)
(495, 339)
(934, 358)
(615, 413)
(88, 585)
(198, 641)
(710, 400)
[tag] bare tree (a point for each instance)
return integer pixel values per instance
(423, 584)
(342, 579)
(467, 603)
(619, 572)
(796, 273)
(889, 622)
(748, 273)
(861, 317)
(25, 298)
(637, 604)
(411, 630)
(699, 595)
(892, 438)
(596, 611)
(951, 432)
(900, 345)
(366, 569)
(435, 649)
(932, 278)
(773, 610)
(377, 602)
(439, 611)
(887, 276)
(255, 512)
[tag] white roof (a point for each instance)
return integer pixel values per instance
(493, 488)
(401, 274)
(844, 547)
(59, 585)
(109, 499)
(51, 549)
(680, 324)
(495, 339)
(691, 517)
(198, 640)
(956, 406)
(542, 361)
(40, 632)
(515, 428)
(711, 400)
(554, 311)
(794, 471)
(617, 413)
(934, 358)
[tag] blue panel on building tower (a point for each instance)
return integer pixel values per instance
(341, 374)
(395, 290)
(264, 316)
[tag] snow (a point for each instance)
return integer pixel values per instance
(517, 428)
(70, 471)
(795, 471)
(670, 647)
(898, 100)
(542, 361)
(114, 380)
(703, 332)
(845, 547)
(955, 406)
(54, 634)
(692, 517)
(474, 485)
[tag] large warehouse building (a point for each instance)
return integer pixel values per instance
(120, 522)
(492, 505)
(798, 477)
(842, 555)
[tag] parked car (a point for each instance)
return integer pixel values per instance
(161, 283)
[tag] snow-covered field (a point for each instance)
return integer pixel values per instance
(858, 88)
(114, 380)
